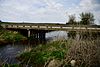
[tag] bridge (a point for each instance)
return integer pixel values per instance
(39, 29)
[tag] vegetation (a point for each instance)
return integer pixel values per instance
(0, 21)
(86, 18)
(42, 54)
(11, 65)
(72, 20)
(84, 52)
(72, 34)
(10, 36)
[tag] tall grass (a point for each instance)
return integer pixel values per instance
(85, 50)
(41, 54)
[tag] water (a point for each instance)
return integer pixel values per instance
(9, 52)
(56, 35)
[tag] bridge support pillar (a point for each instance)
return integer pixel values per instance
(38, 35)
(42, 36)
(29, 32)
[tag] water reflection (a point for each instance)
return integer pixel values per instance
(56, 35)
(9, 52)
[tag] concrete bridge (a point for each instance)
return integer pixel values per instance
(38, 30)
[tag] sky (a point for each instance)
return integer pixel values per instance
(47, 11)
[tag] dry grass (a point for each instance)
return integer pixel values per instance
(86, 53)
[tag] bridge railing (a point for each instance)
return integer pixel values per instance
(36, 26)
(50, 27)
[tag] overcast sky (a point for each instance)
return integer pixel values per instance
(46, 10)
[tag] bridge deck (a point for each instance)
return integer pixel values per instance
(50, 26)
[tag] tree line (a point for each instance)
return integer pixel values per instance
(85, 19)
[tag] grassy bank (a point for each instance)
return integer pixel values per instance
(41, 54)
(86, 53)
(7, 36)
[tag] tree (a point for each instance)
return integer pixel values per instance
(0, 25)
(87, 18)
(72, 19)
(0, 21)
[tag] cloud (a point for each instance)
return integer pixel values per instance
(92, 6)
(46, 10)
(96, 1)
(34, 10)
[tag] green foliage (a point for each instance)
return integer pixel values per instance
(25, 56)
(11, 65)
(11, 36)
(1, 27)
(58, 54)
(72, 20)
(0, 21)
(42, 53)
(86, 18)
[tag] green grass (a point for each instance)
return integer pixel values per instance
(42, 53)
(11, 65)
(10, 36)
